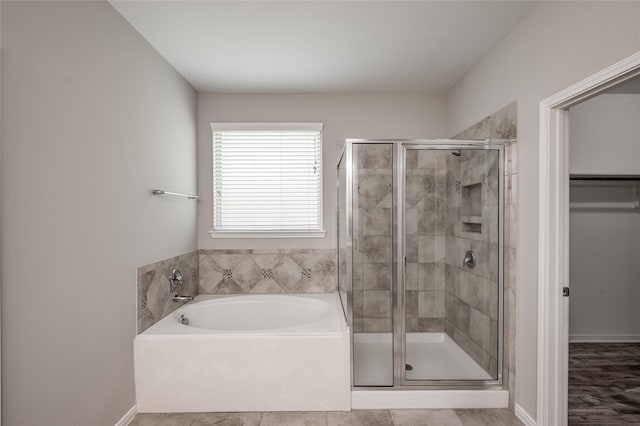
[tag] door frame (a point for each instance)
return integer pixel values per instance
(553, 236)
(399, 251)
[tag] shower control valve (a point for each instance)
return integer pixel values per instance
(469, 259)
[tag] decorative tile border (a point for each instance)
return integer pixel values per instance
(267, 271)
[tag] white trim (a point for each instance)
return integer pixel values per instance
(266, 126)
(604, 338)
(428, 399)
(275, 234)
(128, 417)
(553, 237)
(524, 416)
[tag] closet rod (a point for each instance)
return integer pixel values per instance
(604, 177)
(630, 205)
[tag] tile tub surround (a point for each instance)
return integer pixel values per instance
(154, 301)
(267, 271)
(502, 125)
(233, 272)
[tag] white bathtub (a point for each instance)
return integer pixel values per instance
(246, 353)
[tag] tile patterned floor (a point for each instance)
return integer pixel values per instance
(493, 417)
(604, 384)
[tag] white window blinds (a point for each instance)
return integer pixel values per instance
(267, 178)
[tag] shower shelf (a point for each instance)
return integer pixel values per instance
(475, 228)
(471, 219)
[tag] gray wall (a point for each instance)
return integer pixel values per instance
(557, 44)
(604, 278)
(605, 139)
(605, 135)
(1, 213)
(93, 119)
(344, 116)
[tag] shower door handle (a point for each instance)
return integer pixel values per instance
(404, 266)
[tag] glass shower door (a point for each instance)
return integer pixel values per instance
(372, 235)
(451, 232)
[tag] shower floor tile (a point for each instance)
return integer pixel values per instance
(433, 356)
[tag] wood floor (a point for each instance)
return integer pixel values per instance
(604, 384)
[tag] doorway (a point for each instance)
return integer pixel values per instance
(554, 260)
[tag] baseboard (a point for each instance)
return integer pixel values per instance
(524, 416)
(128, 417)
(603, 338)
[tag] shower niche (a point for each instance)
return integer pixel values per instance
(408, 212)
(471, 208)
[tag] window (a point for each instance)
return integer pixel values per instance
(267, 180)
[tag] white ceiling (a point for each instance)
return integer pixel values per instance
(323, 46)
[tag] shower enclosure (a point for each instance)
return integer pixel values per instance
(420, 261)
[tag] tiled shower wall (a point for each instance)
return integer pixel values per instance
(232, 272)
(472, 217)
(503, 125)
(440, 295)
(372, 238)
(425, 197)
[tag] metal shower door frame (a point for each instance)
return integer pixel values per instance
(399, 148)
(399, 261)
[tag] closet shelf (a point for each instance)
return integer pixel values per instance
(631, 205)
(576, 177)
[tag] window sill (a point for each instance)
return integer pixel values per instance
(284, 234)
